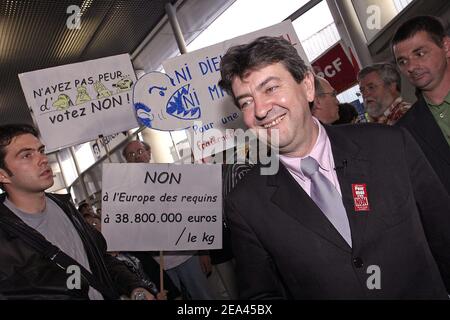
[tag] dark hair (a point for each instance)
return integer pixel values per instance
(387, 72)
(347, 113)
(433, 26)
(145, 144)
(7, 133)
(82, 206)
(263, 51)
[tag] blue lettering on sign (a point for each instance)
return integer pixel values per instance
(183, 74)
(183, 104)
(210, 65)
(191, 100)
(216, 92)
(203, 128)
(229, 118)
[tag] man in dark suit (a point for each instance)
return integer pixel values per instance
(384, 231)
(422, 51)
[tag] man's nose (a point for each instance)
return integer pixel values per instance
(140, 158)
(262, 108)
(43, 158)
(411, 65)
(364, 93)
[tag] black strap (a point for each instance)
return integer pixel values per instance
(52, 252)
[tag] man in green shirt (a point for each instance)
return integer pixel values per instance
(422, 52)
(441, 114)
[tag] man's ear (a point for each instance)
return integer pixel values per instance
(446, 46)
(4, 177)
(393, 89)
(309, 86)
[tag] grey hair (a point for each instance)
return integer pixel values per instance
(387, 72)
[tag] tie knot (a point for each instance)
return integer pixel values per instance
(309, 166)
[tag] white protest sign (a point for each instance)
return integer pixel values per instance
(189, 96)
(78, 102)
(162, 206)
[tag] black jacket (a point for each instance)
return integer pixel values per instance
(285, 247)
(421, 124)
(27, 274)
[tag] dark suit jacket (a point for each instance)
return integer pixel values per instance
(286, 248)
(421, 124)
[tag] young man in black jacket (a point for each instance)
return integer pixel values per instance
(53, 225)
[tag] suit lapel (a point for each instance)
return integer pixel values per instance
(429, 130)
(304, 209)
(352, 167)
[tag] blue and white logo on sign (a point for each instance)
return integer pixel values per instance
(160, 105)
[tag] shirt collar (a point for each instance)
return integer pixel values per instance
(318, 153)
(446, 100)
(397, 100)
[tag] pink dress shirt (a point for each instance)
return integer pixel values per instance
(322, 153)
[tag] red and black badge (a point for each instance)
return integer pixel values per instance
(360, 197)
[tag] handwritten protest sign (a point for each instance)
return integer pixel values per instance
(189, 96)
(161, 207)
(75, 103)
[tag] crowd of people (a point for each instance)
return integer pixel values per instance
(355, 211)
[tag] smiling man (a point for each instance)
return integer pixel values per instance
(338, 208)
(44, 239)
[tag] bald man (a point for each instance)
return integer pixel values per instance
(325, 105)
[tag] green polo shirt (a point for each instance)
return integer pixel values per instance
(441, 112)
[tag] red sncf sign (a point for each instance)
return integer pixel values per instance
(335, 66)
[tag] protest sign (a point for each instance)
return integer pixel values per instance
(161, 207)
(75, 103)
(188, 95)
(99, 145)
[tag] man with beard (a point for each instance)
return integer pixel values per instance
(380, 87)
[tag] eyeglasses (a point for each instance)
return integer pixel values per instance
(370, 88)
(332, 93)
(132, 155)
